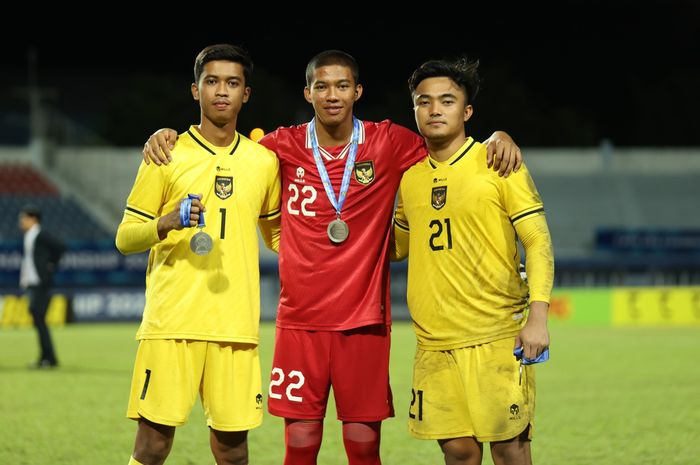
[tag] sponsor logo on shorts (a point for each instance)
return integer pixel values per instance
(514, 412)
(258, 401)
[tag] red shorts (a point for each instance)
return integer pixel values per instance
(355, 362)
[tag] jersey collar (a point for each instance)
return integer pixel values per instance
(325, 154)
(209, 147)
(458, 155)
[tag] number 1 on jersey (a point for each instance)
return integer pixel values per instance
(223, 223)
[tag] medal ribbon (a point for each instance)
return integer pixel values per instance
(349, 165)
(185, 207)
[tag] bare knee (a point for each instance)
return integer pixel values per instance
(461, 451)
(229, 447)
(153, 442)
(514, 451)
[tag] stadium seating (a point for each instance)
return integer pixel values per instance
(580, 208)
(22, 184)
(24, 179)
(577, 206)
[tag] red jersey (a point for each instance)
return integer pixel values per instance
(327, 286)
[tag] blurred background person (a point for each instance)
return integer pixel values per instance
(41, 254)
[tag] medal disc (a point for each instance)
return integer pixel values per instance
(338, 231)
(201, 243)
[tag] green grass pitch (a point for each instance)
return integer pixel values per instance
(608, 396)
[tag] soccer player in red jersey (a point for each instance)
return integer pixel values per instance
(334, 317)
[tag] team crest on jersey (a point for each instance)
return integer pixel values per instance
(223, 187)
(364, 172)
(438, 197)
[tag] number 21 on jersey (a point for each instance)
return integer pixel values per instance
(441, 237)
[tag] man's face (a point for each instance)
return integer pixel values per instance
(25, 222)
(332, 93)
(221, 91)
(440, 109)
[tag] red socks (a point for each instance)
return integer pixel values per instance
(302, 440)
(362, 443)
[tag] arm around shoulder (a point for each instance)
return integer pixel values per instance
(158, 146)
(503, 154)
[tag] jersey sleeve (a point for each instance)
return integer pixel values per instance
(408, 146)
(400, 232)
(525, 209)
(138, 229)
(520, 196)
(269, 141)
(134, 236)
(270, 214)
(539, 264)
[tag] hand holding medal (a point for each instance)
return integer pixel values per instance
(201, 243)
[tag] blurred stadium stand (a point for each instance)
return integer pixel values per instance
(18, 179)
(22, 184)
(623, 217)
(618, 217)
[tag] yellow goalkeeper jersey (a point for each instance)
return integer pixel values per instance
(458, 216)
(215, 296)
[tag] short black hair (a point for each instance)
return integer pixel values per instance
(32, 211)
(332, 57)
(463, 71)
(225, 52)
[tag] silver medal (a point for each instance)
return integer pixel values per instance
(338, 231)
(201, 243)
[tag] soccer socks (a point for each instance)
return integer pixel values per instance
(133, 461)
(302, 441)
(362, 442)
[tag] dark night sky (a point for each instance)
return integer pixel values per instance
(595, 70)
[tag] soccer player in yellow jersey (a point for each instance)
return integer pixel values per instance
(199, 333)
(460, 223)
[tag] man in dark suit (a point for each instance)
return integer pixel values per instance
(40, 259)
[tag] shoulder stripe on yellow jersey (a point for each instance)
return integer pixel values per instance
(140, 213)
(268, 215)
(201, 143)
(401, 225)
(523, 215)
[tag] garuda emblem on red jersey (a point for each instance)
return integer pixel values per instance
(438, 197)
(223, 187)
(364, 172)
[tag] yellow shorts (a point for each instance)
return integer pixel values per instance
(168, 375)
(473, 391)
